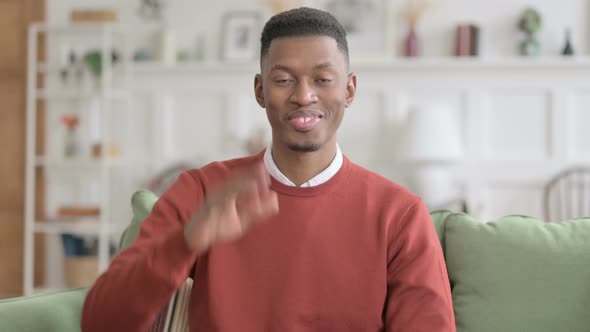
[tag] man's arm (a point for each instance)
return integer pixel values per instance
(183, 225)
(418, 289)
(141, 279)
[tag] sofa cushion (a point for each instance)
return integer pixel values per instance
(519, 274)
(57, 311)
(142, 202)
(438, 219)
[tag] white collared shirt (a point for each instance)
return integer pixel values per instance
(324, 176)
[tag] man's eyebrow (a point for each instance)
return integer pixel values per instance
(280, 67)
(324, 65)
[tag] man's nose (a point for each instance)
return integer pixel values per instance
(303, 94)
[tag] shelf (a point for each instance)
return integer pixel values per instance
(381, 64)
(86, 225)
(68, 93)
(83, 163)
(116, 69)
(512, 62)
(97, 27)
(152, 67)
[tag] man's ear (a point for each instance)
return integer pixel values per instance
(350, 89)
(258, 90)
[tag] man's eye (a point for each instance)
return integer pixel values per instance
(282, 81)
(324, 80)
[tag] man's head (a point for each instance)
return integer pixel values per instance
(304, 82)
(302, 22)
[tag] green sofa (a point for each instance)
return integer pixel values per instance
(511, 274)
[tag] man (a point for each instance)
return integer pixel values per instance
(319, 245)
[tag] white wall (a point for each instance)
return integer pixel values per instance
(520, 122)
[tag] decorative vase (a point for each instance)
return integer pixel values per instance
(411, 43)
(530, 23)
(71, 145)
(530, 46)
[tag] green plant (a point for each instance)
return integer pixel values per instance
(530, 21)
(93, 59)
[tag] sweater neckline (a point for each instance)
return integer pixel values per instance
(315, 190)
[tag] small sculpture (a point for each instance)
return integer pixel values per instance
(568, 48)
(530, 23)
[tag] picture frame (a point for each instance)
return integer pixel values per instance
(240, 32)
(368, 25)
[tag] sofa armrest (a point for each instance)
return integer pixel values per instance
(56, 311)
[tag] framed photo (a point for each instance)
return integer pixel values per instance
(239, 36)
(367, 23)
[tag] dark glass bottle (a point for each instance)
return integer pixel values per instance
(568, 49)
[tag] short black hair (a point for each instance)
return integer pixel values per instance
(303, 21)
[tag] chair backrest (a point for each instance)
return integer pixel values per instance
(567, 195)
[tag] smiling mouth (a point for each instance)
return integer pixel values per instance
(305, 121)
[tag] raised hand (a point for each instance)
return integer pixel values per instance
(230, 210)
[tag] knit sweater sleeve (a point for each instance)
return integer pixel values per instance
(418, 296)
(141, 279)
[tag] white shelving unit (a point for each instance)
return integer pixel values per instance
(103, 93)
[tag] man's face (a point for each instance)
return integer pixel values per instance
(305, 87)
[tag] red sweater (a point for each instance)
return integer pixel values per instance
(357, 253)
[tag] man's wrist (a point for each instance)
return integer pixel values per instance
(197, 233)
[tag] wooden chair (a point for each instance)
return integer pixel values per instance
(567, 195)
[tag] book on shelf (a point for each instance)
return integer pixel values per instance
(93, 16)
(467, 40)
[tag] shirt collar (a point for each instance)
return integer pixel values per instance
(322, 177)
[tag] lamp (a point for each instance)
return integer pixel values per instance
(431, 143)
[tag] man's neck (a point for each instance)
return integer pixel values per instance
(300, 167)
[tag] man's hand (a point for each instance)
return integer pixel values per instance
(232, 209)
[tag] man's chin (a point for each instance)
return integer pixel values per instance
(308, 147)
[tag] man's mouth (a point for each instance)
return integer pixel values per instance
(305, 121)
